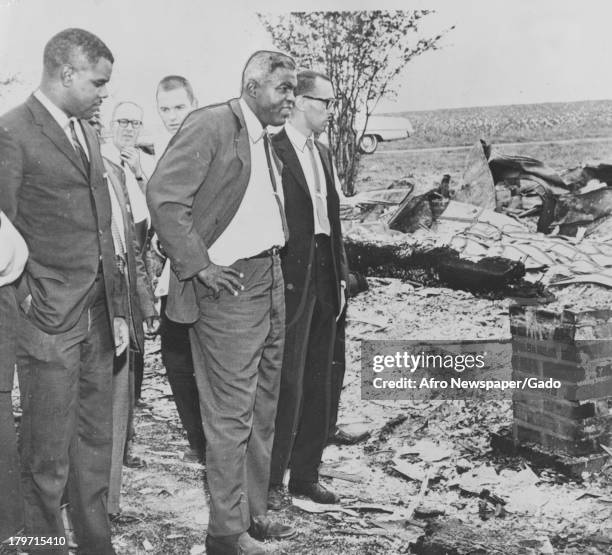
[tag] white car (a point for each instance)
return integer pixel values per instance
(382, 128)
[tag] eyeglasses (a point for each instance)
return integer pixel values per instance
(135, 123)
(330, 103)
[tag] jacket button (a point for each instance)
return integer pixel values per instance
(290, 286)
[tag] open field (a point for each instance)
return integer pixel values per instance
(515, 123)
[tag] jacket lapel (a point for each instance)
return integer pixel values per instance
(329, 174)
(241, 142)
(54, 132)
(290, 159)
(117, 180)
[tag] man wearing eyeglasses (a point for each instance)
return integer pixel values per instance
(126, 124)
(315, 274)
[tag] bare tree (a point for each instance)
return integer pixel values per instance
(362, 52)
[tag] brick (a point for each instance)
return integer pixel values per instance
(594, 349)
(547, 348)
(573, 410)
(526, 364)
(538, 419)
(587, 429)
(569, 409)
(524, 433)
(592, 390)
(566, 372)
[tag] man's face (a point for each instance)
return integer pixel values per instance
(318, 105)
(126, 126)
(173, 107)
(274, 97)
(85, 86)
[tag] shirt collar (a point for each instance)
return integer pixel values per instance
(56, 113)
(253, 125)
(297, 138)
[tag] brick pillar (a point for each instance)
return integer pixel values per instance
(574, 348)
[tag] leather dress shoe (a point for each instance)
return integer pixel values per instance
(262, 528)
(278, 498)
(236, 544)
(341, 437)
(314, 490)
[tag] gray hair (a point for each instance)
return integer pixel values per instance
(262, 64)
(123, 103)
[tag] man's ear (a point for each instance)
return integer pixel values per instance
(66, 72)
(251, 88)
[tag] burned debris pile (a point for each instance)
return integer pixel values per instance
(512, 226)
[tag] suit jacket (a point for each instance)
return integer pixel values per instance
(133, 295)
(298, 256)
(62, 213)
(195, 192)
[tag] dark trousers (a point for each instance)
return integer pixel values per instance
(177, 358)
(304, 406)
(137, 362)
(11, 501)
(338, 371)
(237, 346)
(66, 430)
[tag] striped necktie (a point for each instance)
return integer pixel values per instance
(78, 146)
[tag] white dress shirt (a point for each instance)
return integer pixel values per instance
(298, 140)
(257, 224)
(138, 202)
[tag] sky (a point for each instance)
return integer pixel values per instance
(500, 52)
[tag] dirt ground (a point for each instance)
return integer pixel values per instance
(450, 439)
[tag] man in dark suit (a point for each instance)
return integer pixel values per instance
(52, 187)
(216, 203)
(315, 274)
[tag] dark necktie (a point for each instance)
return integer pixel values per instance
(266, 140)
(319, 202)
(79, 147)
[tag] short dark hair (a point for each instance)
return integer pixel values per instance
(62, 48)
(306, 81)
(263, 63)
(172, 82)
